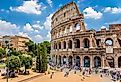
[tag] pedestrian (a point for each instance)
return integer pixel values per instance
(51, 76)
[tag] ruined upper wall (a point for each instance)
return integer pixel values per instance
(65, 13)
(115, 27)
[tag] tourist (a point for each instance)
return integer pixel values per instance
(51, 76)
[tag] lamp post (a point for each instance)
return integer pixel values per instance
(7, 47)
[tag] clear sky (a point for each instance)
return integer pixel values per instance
(32, 18)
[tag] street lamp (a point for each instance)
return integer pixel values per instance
(7, 49)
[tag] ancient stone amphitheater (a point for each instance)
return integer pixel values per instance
(74, 45)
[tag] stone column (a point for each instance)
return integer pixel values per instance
(91, 61)
(81, 61)
(81, 43)
(103, 62)
(116, 61)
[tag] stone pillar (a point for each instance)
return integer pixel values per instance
(91, 61)
(73, 60)
(73, 44)
(67, 60)
(81, 61)
(62, 47)
(91, 46)
(103, 62)
(81, 43)
(116, 61)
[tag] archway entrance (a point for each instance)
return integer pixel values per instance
(86, 61)
(59, 60)
(119, 62)
(77, 61)
(64, 59)
(86, 43)
(110, 61)
(70, 60)
(97, 62)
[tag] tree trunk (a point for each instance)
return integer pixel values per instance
(25, 70)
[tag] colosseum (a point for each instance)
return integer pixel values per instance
(73, 44)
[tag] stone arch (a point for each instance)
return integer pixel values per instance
(97, 61)
(77, 26)
(86, 61)
(70, 44)
(110, 61)
(77, 61)
(64, 59)
(119, 61)
(64, 44)
(59, 45)
(77, 43)
(70, 62)
(59, 60)
(109, 42)
(86, 43)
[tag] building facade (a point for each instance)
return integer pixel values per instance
(15, 42)
(73, 44)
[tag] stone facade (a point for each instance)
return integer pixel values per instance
(15, 42)
(73, 44)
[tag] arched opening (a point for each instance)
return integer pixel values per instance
(71, 28)
(98, 41)
(64, 59)
(110, 61)
(119, 62)
(70, 60)
(77, 43)
(55, 45)
(60, 60)
(56, 59)
(70, 44)
(86, 43)
(59, 45)
(86, 61)
(109, 42)
(77, 61)
(77, 26)
(97, 62)
(64, 44)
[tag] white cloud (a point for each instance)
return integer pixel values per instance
(103, 27)
(37, 26)
(114, 10)
(47, 23)
(38, 38)
(7, 28)
(23, 34)
(91, 13)
(49, 2)
(29, 7)
(28, 28)
(36, 31)
(48, 36)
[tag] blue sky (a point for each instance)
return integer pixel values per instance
(32, 18)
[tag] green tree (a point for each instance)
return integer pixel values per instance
(26, 61)
(43, 58)
(30, 46)
(13, 62)
(41, 61)
(2, 53)
(47, 45)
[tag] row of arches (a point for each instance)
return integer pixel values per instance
(85, 43)
(97, 61)
(86, 60)
(77, 43)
